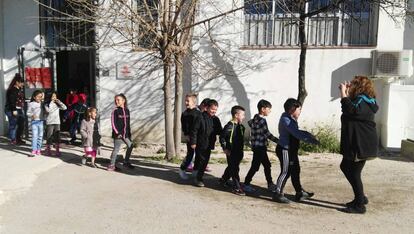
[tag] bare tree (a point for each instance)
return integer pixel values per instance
(396, 9)
(161, 28)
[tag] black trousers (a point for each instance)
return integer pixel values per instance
(259, 157)
(201, 161)
(352, 171)
(233, 168)
(20, 125)
(188, 158)
(289, 167)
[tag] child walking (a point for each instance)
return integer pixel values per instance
(52, 109)
(35, 111)
(188, 118)
(259, 135)
(205, 132)
(232, 142)
(89, 131)
(121, 131)
(287, 151)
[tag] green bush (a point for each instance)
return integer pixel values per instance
(329, 142)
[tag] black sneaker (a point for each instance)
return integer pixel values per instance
(128, 165)
(303, 195)
(280, 198)
(226, 184)
(355, 209)
(352, 203)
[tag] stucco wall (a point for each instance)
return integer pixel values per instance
(20, 28)
(233, 77)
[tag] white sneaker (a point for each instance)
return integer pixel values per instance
(182, 174)
(83, 160)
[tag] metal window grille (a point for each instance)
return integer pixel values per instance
(274, 26)
(60, 29)
(147, 9)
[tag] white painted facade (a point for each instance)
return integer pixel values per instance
(241, 76)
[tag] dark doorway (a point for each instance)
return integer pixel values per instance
(76, 70)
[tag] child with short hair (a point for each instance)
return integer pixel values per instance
(205, 132)
(287, 151)
(188, 118)
(259, 134)
(90, 135)
(121, 131)
(35, 111)
(52, 109)
(232, 142)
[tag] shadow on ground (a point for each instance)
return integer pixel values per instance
(157, 170)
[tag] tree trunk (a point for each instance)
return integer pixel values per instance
(178, 101)
(168, 111)
(302, 61)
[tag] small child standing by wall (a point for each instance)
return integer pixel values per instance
(35, 111)
(52, 109)
(89, 131)
(232, 142)
(121, 131)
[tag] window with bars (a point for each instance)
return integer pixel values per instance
(59, 29)
(149, 11)
(274, 23)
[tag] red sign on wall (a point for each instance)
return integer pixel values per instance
(38, 77)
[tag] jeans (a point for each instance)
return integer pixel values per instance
(117, 146)
(74, 125)
(37, 134)
(12, 125)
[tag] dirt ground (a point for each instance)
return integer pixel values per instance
(50, 195)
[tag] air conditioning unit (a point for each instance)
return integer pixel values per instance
(392, 63)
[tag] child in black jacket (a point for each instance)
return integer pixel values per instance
(121, 131)
(204, 134)
(232, 142)
(188, 119)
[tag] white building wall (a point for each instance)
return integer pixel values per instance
(20, 27)
(144, 94)
(238, 77)
(272, 74)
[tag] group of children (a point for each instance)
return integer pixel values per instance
(47, 112)
(201, 127)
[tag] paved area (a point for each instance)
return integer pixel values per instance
(58, 195)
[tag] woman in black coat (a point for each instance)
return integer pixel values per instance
(359, 140)
(14, 109)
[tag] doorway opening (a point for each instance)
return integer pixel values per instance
(75, 70)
